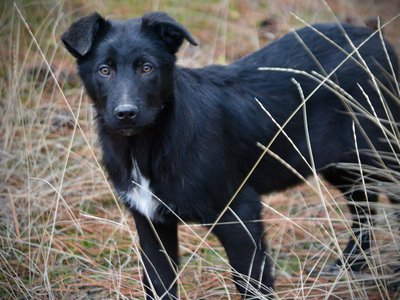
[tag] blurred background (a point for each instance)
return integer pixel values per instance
(63, 233)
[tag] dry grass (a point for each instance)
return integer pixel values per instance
(64, 235)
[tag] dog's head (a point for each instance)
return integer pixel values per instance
(127, 67)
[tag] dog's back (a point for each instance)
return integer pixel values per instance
(334, 75)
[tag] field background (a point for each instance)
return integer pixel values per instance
(64, 235)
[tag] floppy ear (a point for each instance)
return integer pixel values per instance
(171, 32)
(78, 39)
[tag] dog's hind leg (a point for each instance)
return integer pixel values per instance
(159, 252)
(359, 244)
(241, 233)
(394, 283)
(361, 206)
(396, 202)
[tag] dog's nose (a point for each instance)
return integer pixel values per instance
(126, 112)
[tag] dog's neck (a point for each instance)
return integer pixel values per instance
(153, 149)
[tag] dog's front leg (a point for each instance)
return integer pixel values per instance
(241, 233)
(159, 252)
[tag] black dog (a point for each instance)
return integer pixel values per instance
(179, 142)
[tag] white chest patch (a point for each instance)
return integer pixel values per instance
(139, 195)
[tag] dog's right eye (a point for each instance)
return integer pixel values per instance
(146, 68)
(105, 71)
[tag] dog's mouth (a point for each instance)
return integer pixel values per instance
(117, 129)
(127, 131)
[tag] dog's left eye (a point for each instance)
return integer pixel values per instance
(104, 70)
(146, 68)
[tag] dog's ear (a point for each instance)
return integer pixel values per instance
(171, 32)
(78, 39)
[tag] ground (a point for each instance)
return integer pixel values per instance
(63, 233)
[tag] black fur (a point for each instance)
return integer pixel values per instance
(193, 133)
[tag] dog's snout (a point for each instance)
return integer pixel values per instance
(126, 112)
